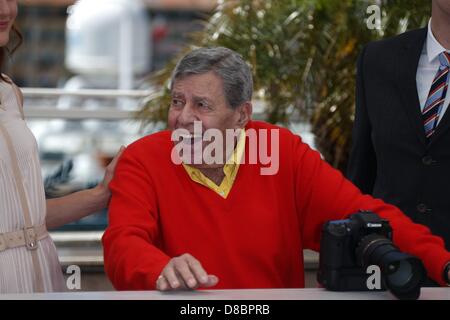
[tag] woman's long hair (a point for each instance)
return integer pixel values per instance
(14, 43)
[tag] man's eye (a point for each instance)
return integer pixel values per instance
(177, 102)
(202, 105)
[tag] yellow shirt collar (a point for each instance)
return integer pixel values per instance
(230, 170)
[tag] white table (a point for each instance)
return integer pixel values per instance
(259, 294)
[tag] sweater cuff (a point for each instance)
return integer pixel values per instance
(436, 265)
(446, 274)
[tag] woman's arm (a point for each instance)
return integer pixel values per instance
(77, 205)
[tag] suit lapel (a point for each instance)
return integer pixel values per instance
(407, 63)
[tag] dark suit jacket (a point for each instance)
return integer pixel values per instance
(391, 157)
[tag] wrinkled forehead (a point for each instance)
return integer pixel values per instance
(207, 85)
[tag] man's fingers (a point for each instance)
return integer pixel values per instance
(162, 284)
(182, 267)
(171, 277)
(198, 271)
(184, 272)
(212, 281)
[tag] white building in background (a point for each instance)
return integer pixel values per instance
(108, 38)
(108, 45)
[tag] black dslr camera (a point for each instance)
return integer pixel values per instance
(348, 247)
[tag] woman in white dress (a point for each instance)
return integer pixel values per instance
(28, 258)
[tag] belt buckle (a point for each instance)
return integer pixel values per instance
(30, 238)
(3, 245)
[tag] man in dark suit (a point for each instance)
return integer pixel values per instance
(401, 135)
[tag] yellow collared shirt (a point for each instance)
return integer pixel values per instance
(230, 170)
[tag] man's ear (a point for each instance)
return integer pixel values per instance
(245, 113)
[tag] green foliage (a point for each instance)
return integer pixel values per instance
(303, 55)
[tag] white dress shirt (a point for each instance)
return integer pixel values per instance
(426, 71)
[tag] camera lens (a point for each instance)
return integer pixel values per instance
(400, 273)
(403, 274)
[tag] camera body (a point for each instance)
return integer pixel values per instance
(342, 266)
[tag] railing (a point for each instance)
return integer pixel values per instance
(104, 113)
(39, 92)
(82, 113)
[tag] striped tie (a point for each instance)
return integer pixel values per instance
(436, 97)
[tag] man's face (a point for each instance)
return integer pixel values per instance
(202, 98)
(443, 6)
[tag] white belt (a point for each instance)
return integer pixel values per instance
(27, 237)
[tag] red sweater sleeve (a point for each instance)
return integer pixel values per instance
(324, 194)
(132, 258)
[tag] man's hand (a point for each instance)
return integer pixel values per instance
(184, 272)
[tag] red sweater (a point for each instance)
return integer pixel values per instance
(252, 239)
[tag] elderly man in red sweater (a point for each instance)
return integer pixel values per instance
(238, 223)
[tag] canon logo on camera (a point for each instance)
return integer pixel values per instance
(374, 225)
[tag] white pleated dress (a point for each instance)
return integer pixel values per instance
(17, 274)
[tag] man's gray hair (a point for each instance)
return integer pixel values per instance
(226, 64)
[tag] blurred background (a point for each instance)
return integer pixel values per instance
(94, 74)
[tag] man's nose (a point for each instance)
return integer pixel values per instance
(187, 115)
